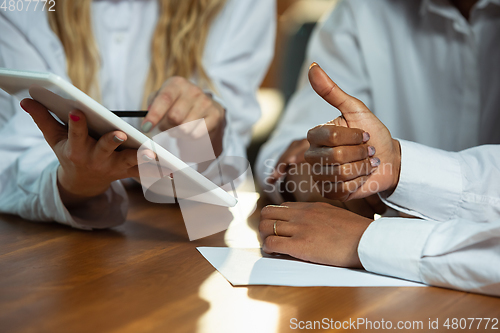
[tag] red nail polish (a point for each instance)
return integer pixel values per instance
(74, 117)
(22, 106)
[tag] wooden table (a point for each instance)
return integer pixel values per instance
(146, 276)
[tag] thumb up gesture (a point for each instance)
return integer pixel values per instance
(353, 156)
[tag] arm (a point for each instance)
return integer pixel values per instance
(335, 45)
(458, 254)
(440, 185)
(461, 253)
(238, 63)
(29, 184)
(237, 54)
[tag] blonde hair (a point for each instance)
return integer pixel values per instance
(176, 49)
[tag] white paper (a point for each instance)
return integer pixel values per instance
(243, 267)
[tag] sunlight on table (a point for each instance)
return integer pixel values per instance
(232, 310)
(240, 232)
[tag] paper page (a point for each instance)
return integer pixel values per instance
(243, 267)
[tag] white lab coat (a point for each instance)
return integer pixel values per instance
(457, 243)
(239, 49)
(429, 75)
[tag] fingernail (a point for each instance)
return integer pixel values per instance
(147, 127)
(366, 136)
(313, 64)
(22, 106)
(74, 117)
(117, 139)
(375, 162)
(371, 151)
(147, 158)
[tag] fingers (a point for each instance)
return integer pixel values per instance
(283, 228)
(344, 172)
(276, 244)
(330, 135)
(166, 97)
(330, 92)
(128, 158)
(293, 155)
(176, 114)
(108, 143)
(338, 155)
(202, 108)
(52, 130)
(282, 213)
(78, 133)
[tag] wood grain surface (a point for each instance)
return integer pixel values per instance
(146, 276)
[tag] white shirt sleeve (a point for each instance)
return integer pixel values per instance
(239, 51)
(457, 254)
(334, 45)
(440, 185)
(28, 167)
(457, 243)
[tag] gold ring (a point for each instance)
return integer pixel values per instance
(274, 227)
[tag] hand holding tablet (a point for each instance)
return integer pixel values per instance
(85, 148)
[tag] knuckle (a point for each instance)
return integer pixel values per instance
(165, 97)
(196, 91)
(177, 80)
(173, 116)
(130, 160)
(344, 171)
(338, 154)
(334, 137)
(309, 156)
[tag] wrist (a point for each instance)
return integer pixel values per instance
(74, 193)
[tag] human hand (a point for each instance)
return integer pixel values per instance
(294, 154)
(349, 167)
(315, 232)
(87, 166)
(178, 102)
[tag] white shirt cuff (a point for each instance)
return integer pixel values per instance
(430, 181)
(105, 211)
(393, 246)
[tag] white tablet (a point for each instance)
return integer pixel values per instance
(61, 97)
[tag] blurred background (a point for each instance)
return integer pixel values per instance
(296, 21)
